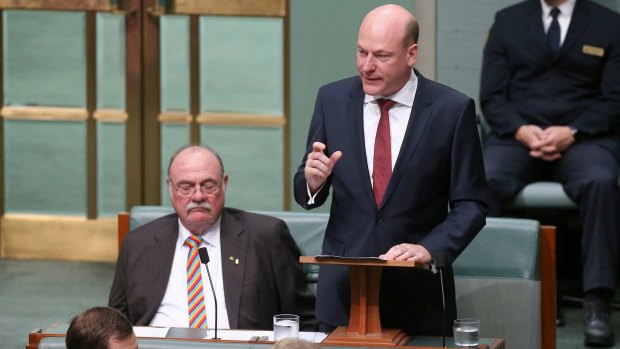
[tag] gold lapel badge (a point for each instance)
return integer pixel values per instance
(233, 259)
(593, 50)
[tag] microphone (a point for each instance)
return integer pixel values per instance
(204, 258)
(440, 263)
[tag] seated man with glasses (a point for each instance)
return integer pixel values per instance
(254, 261)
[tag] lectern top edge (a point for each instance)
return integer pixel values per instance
(361, 261)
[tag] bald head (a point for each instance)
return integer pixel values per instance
(394, 19)
(387, 49)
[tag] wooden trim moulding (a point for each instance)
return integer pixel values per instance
(194, 77)
(233, 119)
(1, 122)
(91, 106)
(151, 101)
(110, 115)
(286, 37)
(39, 236)
(44, 113)
(263, 8)
(134, 95)
(174, 117)
(63, 5)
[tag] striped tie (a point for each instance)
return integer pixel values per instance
(195, 297)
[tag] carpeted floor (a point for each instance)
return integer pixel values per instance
(37, 294)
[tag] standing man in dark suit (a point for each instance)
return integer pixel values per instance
(550, 91)
(254, 259)
(391, 197)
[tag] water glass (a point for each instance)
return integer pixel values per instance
(285, 325)
(466, 332)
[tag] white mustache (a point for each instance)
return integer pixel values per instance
(193, 205)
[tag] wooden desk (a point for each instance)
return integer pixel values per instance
(57, 333)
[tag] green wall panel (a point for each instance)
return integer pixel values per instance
(173, 137)
(111, 178)
(44, 58)
(254, 160)
(45, 167)
(323, 41)
(462, 28)
(174, 49)
(110, 61)
(241, 65)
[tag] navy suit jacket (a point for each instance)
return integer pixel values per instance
(524, 82)
(268, 279)
(439, 163)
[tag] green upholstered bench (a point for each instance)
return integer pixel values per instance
(498, 280)
(498, 276)
(542, 195)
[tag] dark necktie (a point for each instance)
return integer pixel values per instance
(382, 162)
(553, 35)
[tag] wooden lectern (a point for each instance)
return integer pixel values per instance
(364, 318)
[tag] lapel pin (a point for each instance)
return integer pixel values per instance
(233, 259)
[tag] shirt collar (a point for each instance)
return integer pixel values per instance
(405, 96)
(211, 236)
(566, 9)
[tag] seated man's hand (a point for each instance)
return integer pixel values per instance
(408, 252)
(561, 137)
(547, 144)
(532, 136)
(319, 166)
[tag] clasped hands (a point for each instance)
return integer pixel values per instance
(547, 144)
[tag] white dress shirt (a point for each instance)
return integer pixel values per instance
(399, 118)
(173, 310)
(566, 13)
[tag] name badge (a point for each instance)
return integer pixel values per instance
(593, 50)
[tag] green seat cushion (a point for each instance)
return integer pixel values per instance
(505, 247)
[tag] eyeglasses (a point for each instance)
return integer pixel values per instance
(186, 190)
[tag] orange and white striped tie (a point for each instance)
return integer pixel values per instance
(195, 296)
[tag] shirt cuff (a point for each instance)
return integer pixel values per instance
(433, 266)
(312, 197)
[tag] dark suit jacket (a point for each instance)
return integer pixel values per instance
(524, 82)
(268, 280)
(440, 162)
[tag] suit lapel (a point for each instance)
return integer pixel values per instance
(233, 242)
(534, 22)
(577, 25)
(420, 115)
(160, 261)
(355, 120)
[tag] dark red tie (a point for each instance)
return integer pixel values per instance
(382, 163)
